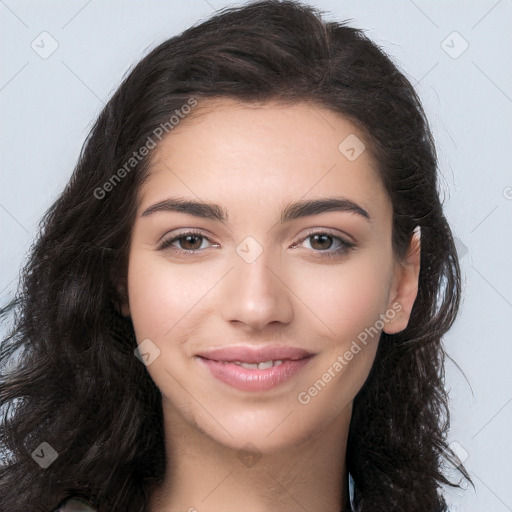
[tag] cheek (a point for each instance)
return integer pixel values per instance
(351, 307)
(165, 302)
(162, 294)
(347, 298)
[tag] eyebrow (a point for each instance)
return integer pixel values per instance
(291, 211)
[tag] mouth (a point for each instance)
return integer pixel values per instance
(257, 366)
(254, 355)
(254, 368)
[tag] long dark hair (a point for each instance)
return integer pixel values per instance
(69, 376)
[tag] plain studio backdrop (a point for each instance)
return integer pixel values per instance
(61, 61)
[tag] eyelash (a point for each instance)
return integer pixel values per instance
(345, 248)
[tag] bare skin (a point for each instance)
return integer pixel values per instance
(253, 160)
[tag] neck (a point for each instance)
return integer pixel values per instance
(205, 475)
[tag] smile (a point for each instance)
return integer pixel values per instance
(254, 369)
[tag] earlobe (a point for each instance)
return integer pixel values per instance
(405, 286)
(125, 309)
(122, 303)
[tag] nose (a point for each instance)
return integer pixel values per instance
(256, 294)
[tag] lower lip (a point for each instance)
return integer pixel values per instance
(254, 380)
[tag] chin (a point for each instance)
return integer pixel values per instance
(266, 431)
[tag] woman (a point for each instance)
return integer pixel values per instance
(238, 301)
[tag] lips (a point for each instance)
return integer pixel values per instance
(252, 355)
(254, 368)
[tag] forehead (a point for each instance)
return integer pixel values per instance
(233, 152)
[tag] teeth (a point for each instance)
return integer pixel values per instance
(259, 366)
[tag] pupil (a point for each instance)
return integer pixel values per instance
(325, 237)
(189, 237)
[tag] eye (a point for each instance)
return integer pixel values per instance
(322, 241)
(188, 241)
(191, 243)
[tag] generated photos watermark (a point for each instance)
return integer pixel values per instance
(137, 156)
(342, 360)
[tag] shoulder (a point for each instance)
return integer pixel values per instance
(75, 504)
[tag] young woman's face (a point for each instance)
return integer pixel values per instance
(270, 282)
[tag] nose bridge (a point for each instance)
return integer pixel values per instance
(255, 293)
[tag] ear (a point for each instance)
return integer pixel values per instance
(122, 304)
(404, 288)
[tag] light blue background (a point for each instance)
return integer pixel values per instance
(47, 107)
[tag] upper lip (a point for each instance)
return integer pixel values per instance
(251, 354)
